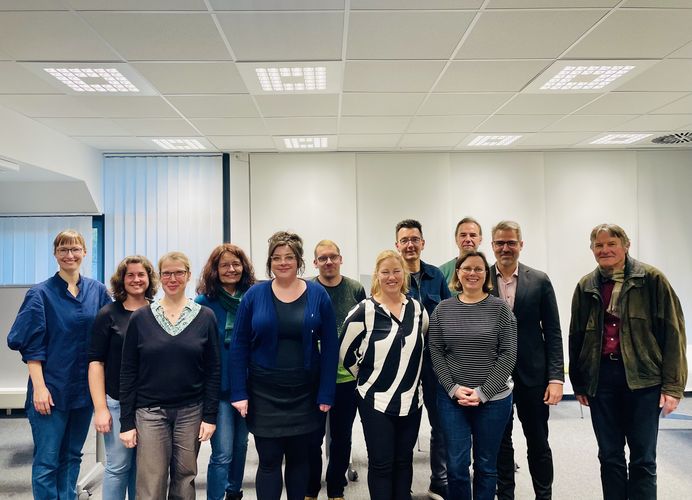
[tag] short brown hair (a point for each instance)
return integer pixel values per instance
(507, 225)
(613, 230)
(209, 283)
(327, 243)
(118, 278)
(468, 220)
(487, 284)
(384, 255)
(292, 241)
(69, 236)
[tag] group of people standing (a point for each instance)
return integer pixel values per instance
(469, 341)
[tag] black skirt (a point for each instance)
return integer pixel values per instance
(283, 401)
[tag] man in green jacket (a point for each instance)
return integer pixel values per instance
(627, 360)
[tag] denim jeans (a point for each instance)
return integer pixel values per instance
(390, 440)
(167, 444)
(58, 441)
(482, 425)
(228, 451)
(121, 472)
(341, 417)
(620, 415)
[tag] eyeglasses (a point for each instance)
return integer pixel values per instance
(322, 259)
(234, 265)
(278, 259)
(62, 252)
(166, 275)
(469, 270)
(509, 243)
(415, 240)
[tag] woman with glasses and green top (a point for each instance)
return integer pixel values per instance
(226, 277)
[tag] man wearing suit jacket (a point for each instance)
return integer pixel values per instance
(539, 372)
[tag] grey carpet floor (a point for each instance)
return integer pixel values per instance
(571, 438)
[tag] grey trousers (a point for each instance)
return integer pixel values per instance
(167, 436)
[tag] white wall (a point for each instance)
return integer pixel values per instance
(26, 141)
(557, 197)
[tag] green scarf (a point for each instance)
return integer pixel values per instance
(619, 278)
(230, 305)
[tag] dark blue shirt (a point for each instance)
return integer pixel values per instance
(432, 288)
(54, 327)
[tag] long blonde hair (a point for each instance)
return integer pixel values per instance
(381, 257)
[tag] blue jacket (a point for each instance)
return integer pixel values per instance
(433, 287)
(256, 335)
(54, 327)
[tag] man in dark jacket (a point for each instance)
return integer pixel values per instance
(627, 360)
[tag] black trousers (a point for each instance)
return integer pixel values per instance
(533, 414)
(390, 441)
(271, 452)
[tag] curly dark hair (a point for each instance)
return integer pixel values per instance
(209, 283)
(292, 241)
(118, 278)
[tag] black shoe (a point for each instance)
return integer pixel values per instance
(437, 492)
(234, 496)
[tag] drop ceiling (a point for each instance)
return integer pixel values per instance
(411, 75)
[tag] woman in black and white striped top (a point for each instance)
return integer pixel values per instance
(382, 346)
(473, 346)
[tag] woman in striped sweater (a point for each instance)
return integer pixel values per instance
(382, 346)
(473, 345)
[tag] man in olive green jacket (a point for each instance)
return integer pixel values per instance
(627, 360)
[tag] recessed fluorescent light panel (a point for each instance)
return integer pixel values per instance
(493, 140)
(92, 78)
(320, 77)
(620, 138)
(178, 144)
(293, 79)
(586, 76)
(306, 142)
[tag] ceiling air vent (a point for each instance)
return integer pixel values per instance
(681, 138)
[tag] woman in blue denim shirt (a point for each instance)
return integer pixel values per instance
(226, 277)
(51, 332)
(134, 285)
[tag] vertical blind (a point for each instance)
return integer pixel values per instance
(26, 247)
(158, 204)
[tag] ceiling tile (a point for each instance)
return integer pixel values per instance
(48, 106)
(301, 126)
(654, 123)
(367, 141)
(616, 103)
(130, 106)
(298, 105)
(193, 78)
(118, 143)
(526, 34)
(230, 126)
(242, 142)
(588, 123)
(463, 104)
(151, 5)
(373, 124)
(284, 36)
(681, 106)
(551, 139)
(545, 104)
(50, 36)
(657, 3)
(391, 76)
(415, 4)
(405, 35)
(31, 5)
(636, 34)
(548, 4)
(222, 5)
(160, 36)
(442, 124)
(157, 127)
(430, 140)
(215, 106)
(487, 76)
(516, 123)
(684, 52)
(85, 126)
(357, 104)
(668, 75)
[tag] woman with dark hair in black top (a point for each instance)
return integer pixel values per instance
(133, 285)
